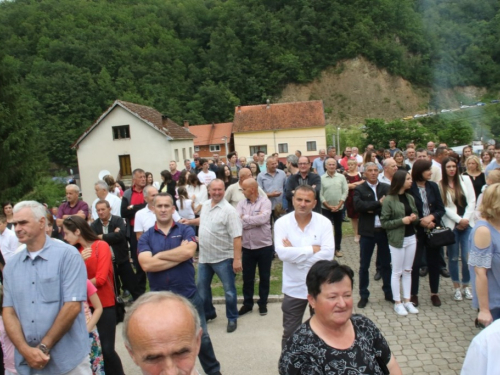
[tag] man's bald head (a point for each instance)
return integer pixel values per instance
(244, 173)
(250, 188)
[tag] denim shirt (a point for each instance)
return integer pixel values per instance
(37, 290)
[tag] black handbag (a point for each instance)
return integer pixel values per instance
(440, 236)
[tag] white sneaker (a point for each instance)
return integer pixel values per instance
(410, 307)
(458, 295)
(467, 293)
(400, 309)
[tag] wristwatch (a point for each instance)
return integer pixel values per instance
(45, 350)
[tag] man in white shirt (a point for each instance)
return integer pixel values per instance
(205, 176)
(439, 155)
(411, 156)
(390, 167)
(482, 356)
(234, 193)
(102, 192)
(301, 238)
(8, 241)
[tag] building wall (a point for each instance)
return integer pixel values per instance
(295, 138)
(148, 149)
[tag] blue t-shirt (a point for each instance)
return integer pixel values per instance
(179, 279)
(319, 165)
(493, 165)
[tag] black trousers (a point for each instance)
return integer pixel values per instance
(263, 258)
(336, 219)
(433, 257)
(126, 277)
(140, 274)
(107, 332)
(367, 245)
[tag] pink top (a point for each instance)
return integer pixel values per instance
(255, 218)
(8, 349)
(91, 289)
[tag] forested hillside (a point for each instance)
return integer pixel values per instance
(196, 60)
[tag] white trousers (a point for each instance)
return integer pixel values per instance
(402, 262)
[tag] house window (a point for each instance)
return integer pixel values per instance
(255, 149)
(183, 154)
(214, 148)
(121, 132)
(196, 149)
(191, 152)
(283, 148)
(311, 146)
(176, 151)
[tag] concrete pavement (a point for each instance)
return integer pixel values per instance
(432, 342)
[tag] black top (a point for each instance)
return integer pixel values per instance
(405, 168)
(478, 182)
(409, 228)
(306, 353)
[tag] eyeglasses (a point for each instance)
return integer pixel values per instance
(303, 163)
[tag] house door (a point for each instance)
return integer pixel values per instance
(125, 166)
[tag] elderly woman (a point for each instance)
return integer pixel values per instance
(484, 258)
(334, 341)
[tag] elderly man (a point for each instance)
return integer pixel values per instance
(166, 253)
(132, 202)
(368, 199)
(102, 192)
(272, 181)
(243, 162)
(187, 165)
(173, 170)
(332, 195)
(411, 156)
(257, 245)
(301, 238)
(234, 193)
(332, 153)
(355, 154)
(220, 251)
(430, 146)
(255, 158)
(162, 343)
(318, 163)
(72, 206)
(304, 177)
(44, 287)
(111, 229)
(390, 168)
(292, 164)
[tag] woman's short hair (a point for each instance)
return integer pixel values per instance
(398, 181)
(326, 271)
(490, 205)
(352, 161)
(476, 160)
(418, 169)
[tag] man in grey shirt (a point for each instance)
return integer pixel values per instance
(272, 181)
(44, 287)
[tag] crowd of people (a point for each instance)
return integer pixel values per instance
(237, 217)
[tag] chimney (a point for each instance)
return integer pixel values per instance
(186, 124)
(239, 108)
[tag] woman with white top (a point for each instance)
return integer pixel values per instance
(197, 192)
(459, 201)
(185, 205)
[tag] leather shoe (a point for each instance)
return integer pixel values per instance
(414, 300)
(423, 271)
(362, 303)
(445, 272)
(244, 309)
(435, 300)
(377, 276)
(231, 326)
(209, 318)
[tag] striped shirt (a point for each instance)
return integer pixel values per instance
(219, 225)
(256, 223)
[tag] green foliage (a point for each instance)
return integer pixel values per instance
(46, 191)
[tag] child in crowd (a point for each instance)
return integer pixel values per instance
(96, 359)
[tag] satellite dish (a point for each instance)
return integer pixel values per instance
(103, 173)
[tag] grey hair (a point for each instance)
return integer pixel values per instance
(37, 209)
(157, 298)
(145, 191)
(102, 184)
(270, 157)
(370, 164)
(74, 187)
(292, 159)
(216, 180)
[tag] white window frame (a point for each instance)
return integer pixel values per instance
(196, 149)
(259, 147)
(214, 148)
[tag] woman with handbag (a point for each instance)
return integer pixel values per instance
(459, 201)
(431, 209)
(98, 261)
(484, 258)
(399, 217)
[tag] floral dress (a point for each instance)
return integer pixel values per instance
(96, 358)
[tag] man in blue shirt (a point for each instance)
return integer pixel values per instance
(166, 254)
(494, 163)
(319, 163)
(44, 287)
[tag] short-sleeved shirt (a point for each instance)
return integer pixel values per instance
(178, 279)
(219, 225)
(66, 209)
(319, 165)
(115, 204)
(206, 178)
(37, 290)
(306, 353)
(488, 258)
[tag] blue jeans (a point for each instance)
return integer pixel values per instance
(367, 245)
(224, 271)
(459, 249)
(206, 355)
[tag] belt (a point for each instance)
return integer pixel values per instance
(379, 229)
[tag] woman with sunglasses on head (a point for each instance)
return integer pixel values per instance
(459, 201)
(98, 261)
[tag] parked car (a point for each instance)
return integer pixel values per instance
(445, 110)
(464, 106)
(480, 104)
(408, 118)
(495, 101)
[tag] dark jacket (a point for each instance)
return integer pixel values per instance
(368, 207)
(434, 199)
(129, 214)
(116, 240)
(293, 183)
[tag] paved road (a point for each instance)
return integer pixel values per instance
(433, 342)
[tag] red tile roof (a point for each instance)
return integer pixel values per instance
(211, 134)
(279, 116)
(147, 114)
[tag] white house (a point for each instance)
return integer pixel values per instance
(129, 136)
